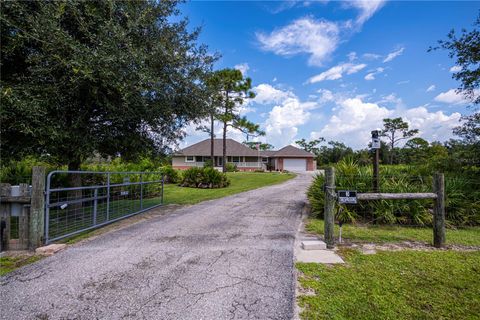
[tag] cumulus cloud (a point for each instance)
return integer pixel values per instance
(393, 55)
(281, 126)
(243, 68)
(455, 69)
(431, 88)
(451, 97)
(267, 94)
(337, 72)
(353, 120)
(318, 38)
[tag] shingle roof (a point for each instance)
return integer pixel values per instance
(202, 148)
(267, 153)
(235, 148)
(291, 151)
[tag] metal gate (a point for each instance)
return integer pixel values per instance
(77, 201)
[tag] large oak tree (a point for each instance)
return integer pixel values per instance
(108, 77)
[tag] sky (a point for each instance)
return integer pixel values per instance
(336, 69)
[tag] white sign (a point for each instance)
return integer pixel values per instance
(124, 193)
(375, 143)
(347, 197)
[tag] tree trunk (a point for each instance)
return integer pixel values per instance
(212, 140)
(391, 148)
(224, 167)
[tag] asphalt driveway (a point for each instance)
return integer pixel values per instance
(230, 258)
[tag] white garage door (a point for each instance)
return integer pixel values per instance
(295, 164)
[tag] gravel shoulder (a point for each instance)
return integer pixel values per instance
(230, 258)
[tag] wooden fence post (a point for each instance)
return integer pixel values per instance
(329, 208)
(439, 211)
(37, 207)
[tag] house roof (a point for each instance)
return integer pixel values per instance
(202, 148)
(291, 151)
(267, 153)
(235, 148)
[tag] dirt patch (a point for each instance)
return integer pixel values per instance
(372, 248)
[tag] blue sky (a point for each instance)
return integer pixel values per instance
(335, 69)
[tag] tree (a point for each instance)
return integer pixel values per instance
(262, 146)
(233, 90)
(464, 48)
(416, 150)
(85, 77)
(310, 146)
(396, 130)
(333, 152)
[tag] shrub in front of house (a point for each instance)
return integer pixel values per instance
(208, 163)
(205, 178)
(170, 175)
(231, 167)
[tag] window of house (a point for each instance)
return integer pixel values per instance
(235, 159)
(265, 160)
(189, 159)
(199, 158)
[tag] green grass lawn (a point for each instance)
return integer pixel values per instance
(240, 181)
(8, 264)
(383, 234)
(393, 285)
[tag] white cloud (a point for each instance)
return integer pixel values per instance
(367, 8)
(353, 119)
(393, 55)
(431, 88)
(352, 56)
(371, 56)
(281, 126)
(337, 72)
(455, 69)
(318, 38)
(267, 94)
(243, 68)
(391, 99)
(433, 126)
(371, 76)
(451, 97)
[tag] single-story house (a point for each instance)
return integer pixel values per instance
(246, 159)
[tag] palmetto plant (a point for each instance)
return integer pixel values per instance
(462, 195)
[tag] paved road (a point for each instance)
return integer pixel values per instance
(230, 258)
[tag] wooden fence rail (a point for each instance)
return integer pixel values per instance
(24, 229)
(438, 196)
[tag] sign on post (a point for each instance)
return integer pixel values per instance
(347, 197)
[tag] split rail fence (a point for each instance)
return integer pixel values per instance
(437, 195)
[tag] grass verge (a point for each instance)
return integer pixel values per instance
(10, 263)
(240, 182)
(393, 285)
(383, 234)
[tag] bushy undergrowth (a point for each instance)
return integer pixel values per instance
(231, 167)
(197, 177)
(21, 171)
(462, 195)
